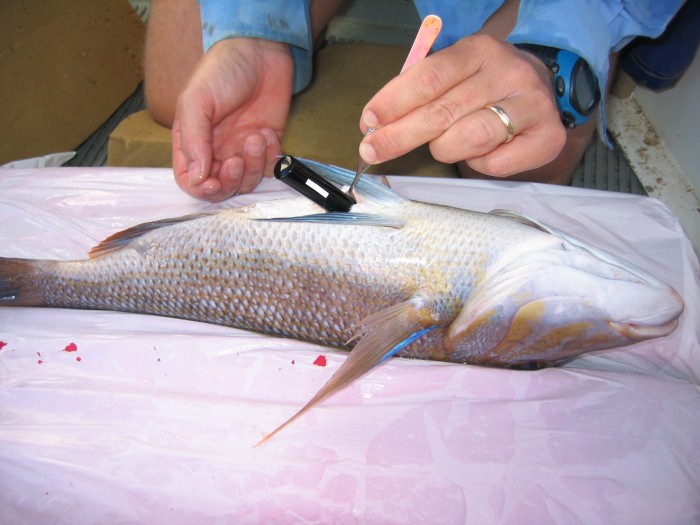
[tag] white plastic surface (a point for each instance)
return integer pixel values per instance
(119, 418)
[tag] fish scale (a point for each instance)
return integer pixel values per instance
(231, 270)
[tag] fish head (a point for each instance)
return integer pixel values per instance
(554, 302)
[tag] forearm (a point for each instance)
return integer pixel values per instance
(321, 13)
(501, 23)
(284, 21)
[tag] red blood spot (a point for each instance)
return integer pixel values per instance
(3, 344)
(320, 360)
(71, 348)
(78, 359)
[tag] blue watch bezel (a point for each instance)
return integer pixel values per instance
(568, 65)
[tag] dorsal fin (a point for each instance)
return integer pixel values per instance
(120, 239)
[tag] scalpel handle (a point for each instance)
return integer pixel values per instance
(425, 38)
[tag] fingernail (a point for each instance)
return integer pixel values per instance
(233, 172)
(367, 153)
(255, 147)
(370, 119)
(195, 173)
(210, 189)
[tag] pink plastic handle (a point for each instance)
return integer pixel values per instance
(428, 32)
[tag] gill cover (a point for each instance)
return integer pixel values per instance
(557, 300)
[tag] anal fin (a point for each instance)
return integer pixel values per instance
(380, 336)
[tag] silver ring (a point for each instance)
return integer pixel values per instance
(505, 119)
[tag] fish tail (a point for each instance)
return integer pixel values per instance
(18, 283)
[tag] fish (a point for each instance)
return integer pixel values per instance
(392, 277)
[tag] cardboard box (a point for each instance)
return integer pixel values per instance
(66, 66)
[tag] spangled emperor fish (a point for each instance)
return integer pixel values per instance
(393, 276)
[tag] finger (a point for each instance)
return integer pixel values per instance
(425, 123)
(210, 189)
(231, 176)
(195, 138)
(180, 166)
(527, 151)
(222, 184)
(178, 158)
(274, 149)
(473, 136)
(482, 131)
(420, 84)
(254, 153)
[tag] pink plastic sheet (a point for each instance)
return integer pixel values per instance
(118, 418)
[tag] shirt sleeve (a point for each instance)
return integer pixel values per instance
(276, 20)
(591, 29)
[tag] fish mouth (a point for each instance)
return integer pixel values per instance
(640, 332)
(663, 322)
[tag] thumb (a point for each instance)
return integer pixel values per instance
(192, 137)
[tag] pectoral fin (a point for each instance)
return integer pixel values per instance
(380, 336)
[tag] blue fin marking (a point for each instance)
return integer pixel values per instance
(404, 344)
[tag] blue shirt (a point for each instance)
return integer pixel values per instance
(588, 28)
(277, 20)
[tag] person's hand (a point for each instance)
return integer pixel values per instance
(230, 118)
(441, 100)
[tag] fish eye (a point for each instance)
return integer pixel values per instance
(529, 365)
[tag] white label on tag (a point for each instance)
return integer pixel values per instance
(318, 189)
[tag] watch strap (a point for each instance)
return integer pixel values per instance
(548, 55)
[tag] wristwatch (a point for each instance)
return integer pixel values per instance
(575, 84)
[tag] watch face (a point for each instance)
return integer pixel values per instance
(575, 84)
(584, 88)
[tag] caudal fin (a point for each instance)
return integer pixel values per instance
(17, 283)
